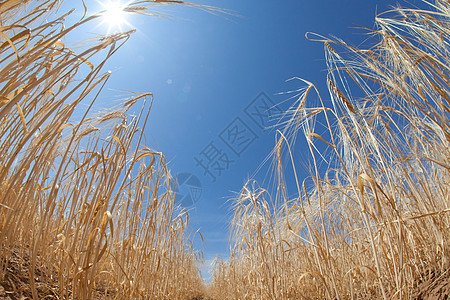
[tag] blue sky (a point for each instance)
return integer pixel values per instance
(209, 73)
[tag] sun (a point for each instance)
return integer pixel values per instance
(114, 15)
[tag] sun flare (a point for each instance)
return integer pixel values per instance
(114, 15)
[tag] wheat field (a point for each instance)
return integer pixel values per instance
(87, 210)
(374, 224)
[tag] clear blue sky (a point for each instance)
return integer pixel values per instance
(205, 70)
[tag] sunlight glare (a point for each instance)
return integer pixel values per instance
(114, 14)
